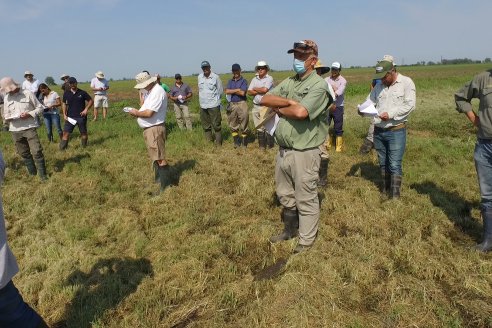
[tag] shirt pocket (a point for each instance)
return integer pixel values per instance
(486, 98)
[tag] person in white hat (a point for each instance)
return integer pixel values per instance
(259, 86)
(100, 87)
(151, 118)
(20, 109)
(31, 84)
(339, 83)
(64, 77)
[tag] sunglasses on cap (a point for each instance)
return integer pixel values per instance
(301, 45)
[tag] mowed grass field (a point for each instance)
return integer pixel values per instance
(96, 250)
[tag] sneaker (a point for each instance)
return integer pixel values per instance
(366, 147)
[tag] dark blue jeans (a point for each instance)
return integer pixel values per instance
(337, 117)
(483, 165)
(50, 119)
(14, 312)
(390, 146)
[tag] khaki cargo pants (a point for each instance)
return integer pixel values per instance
(238, 117)
(296, 176)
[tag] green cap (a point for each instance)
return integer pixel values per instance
(382, 68)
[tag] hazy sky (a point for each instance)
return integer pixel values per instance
(122, 37)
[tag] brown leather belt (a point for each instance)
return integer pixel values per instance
(392, 128)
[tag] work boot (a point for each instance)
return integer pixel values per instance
(339, 144)
(395, 186)
(237, 140)
(63, 144)
(42, 169)
(208, 136)
(31, 167)
(83, 142)
(270, 140)
(385, 182)
(366, 147)
(323, 173)
(301, 248)
(164, 177)
(244, 140)
(155, 167)
(218, 138)
(486, 244)
(262, 139)
(290, 219)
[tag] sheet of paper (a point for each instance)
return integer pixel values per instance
(271, 124)
(127, 109)
(367, 108)
(13, 117)
(71, 121)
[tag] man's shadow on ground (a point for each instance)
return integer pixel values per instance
(108, 283)
(455, 207)
(366, 170)
(178, 169)
(60, 163)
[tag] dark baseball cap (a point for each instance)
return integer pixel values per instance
(72, 80)
(236, 67)
(177, 76)
(205, 64)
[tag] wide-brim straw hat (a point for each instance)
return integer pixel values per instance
(143, 79)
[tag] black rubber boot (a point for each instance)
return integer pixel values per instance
(155, 166)
(63, 144)
(290, 219)
(60, 135)
(42, 169)
(486, 244)
(261, 139)
(164, 177)
(208, 136)
(270, 140)
(237, 141)
(366, 147)
(395, 186)
(218, 138)
(244, 140)
(31, 167)
(323, 173)
(83, 142)
(385, 188)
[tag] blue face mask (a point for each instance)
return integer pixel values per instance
(298, 66)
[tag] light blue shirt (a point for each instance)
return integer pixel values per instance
(209, 90)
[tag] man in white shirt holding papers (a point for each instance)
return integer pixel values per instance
(151, 117)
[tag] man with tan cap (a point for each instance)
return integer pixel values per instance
(151, 118)
(300, 102)
(395, 99)
(259, 86)
(20, 109)
(100, 87)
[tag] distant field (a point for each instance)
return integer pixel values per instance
(95, 250)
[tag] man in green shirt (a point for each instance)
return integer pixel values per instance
(300, 102)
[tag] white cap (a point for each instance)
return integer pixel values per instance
(336, 65)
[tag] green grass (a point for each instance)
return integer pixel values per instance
(95, 250)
